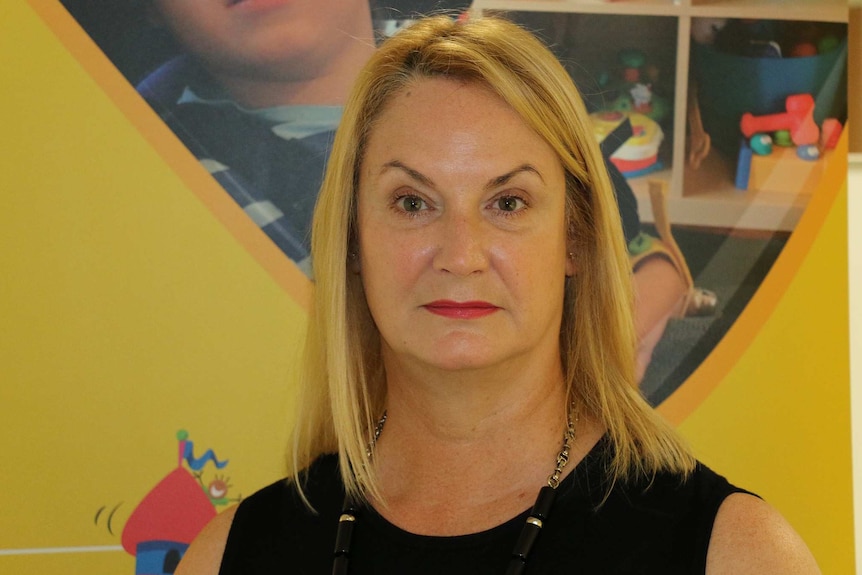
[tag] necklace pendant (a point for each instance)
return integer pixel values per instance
(343, 538)
(531, 529)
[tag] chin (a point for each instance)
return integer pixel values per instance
(462, 358)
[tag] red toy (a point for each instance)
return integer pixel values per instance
(798, 120)
(803, 50)
(831, 132)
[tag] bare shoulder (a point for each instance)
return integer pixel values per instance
(749, 536)
(203, 557)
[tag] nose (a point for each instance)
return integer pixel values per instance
(462, 247)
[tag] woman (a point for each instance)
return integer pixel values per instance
(471, 341)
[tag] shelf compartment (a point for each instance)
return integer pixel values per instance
(615, 60)
(710, 197)
(618, 7)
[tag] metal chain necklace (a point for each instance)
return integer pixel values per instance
(529, 533)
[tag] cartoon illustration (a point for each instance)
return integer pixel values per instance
(163, 524)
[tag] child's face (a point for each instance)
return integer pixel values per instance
(284, 38)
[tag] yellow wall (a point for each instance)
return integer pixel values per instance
(779, 422)
(854, 235)
(128, 312)
(135, 303)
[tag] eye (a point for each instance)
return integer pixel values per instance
(411, 203)
(509, 203)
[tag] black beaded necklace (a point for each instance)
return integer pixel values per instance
(529, 533)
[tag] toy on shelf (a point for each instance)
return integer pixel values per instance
(761, 144)
(743, 166)
(798, 119)
(827, 43)
(632, 98)
(765, 38)
(806, 39)
(830, 133)
(635, 88)
(808, 152)
(785, 170)
(638, 155)
(782, 138)
(786, 160)
(803, 50)
(735, 77)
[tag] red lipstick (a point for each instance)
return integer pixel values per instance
(461, 309)
(256, 5)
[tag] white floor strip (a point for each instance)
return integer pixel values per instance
(48, 550)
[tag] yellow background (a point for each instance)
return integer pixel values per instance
(135, 303)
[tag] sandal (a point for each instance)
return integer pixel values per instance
(699, 302)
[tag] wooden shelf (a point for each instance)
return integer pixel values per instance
(706, 197)
(715, 202)
(621, 7)
(710, 196)
(815, 10)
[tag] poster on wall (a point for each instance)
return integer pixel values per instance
(257, 101)
(183, 291)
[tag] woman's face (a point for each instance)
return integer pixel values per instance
(461, 220)
(281, 37)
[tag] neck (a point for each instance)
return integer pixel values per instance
(465, 405)
(464, 409)
(477, 446)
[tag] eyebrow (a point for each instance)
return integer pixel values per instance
(415, 174)
(504, 179)
(492, 183)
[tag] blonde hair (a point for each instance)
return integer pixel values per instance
(343, 387)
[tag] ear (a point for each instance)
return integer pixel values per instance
(353, 262)
(571, 267)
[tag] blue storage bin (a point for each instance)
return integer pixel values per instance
(730, 85)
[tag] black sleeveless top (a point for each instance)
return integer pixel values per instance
(661, 526)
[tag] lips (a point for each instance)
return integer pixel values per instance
(461, 310)
(255, 5)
